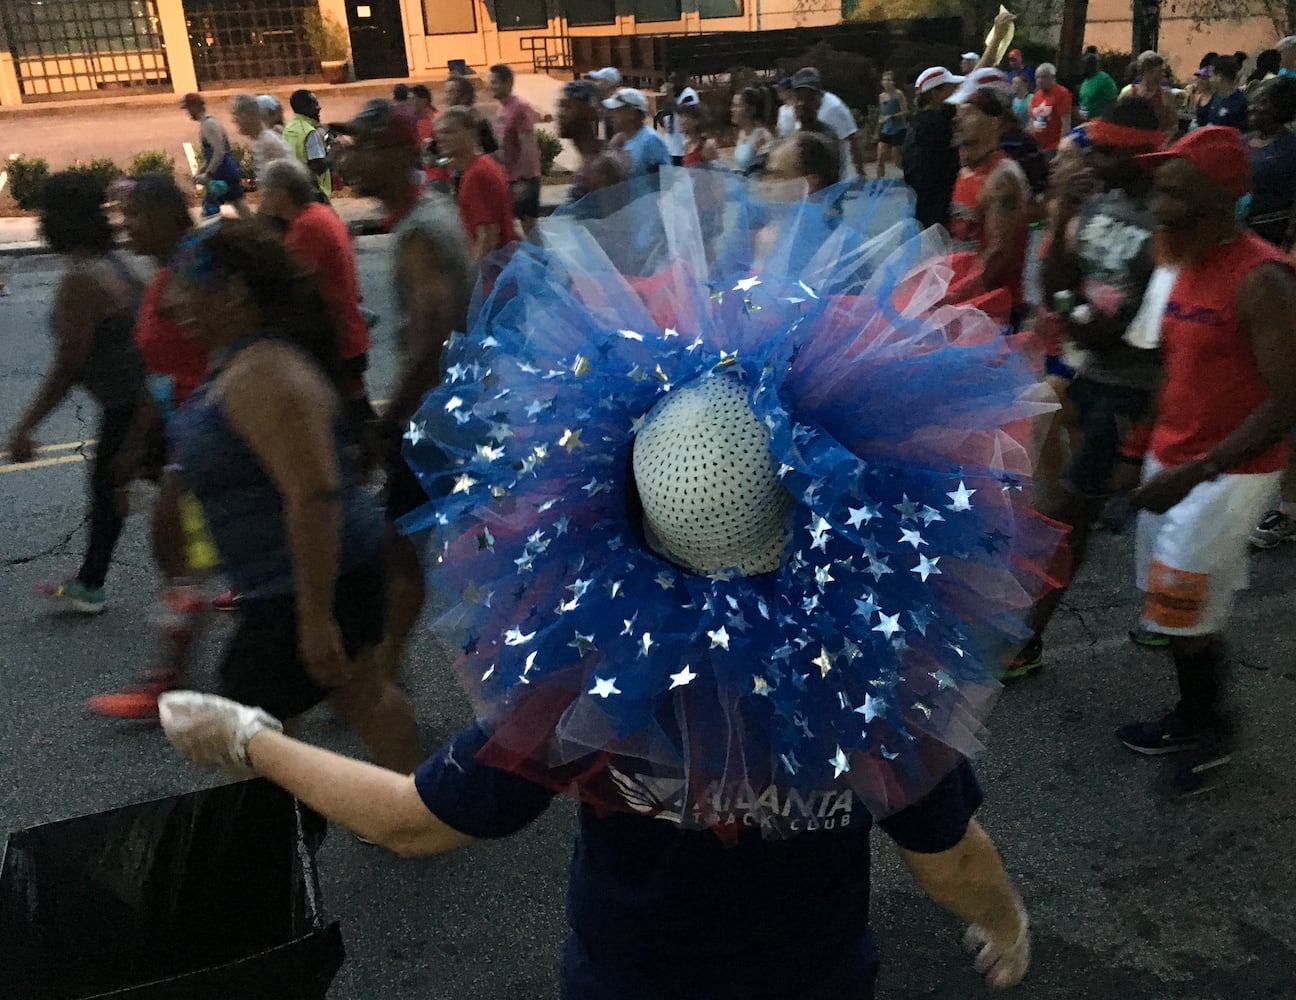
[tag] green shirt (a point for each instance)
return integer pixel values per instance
(303, 138)
(1097, 94)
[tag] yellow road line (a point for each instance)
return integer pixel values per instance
(41, 463)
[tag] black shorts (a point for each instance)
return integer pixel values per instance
(262, 666)
(1105, 414)
(526, 198)
(894, 139)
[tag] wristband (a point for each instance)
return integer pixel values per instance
(249, 729)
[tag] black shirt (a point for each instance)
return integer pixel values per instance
(931, 163)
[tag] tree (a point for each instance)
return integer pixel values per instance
(1071, 37)
(1281, 13)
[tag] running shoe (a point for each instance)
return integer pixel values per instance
(1028, 660)
(76, 595)
(228, 601)
(1166, 735)
(1146, 637)
(138, 701)
(1274, 529)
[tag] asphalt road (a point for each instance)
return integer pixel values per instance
(1132, 896)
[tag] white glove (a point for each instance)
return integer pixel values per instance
(213, 731)
(1002, 963)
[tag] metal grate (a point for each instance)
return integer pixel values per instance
(249, 39)
(67, 48)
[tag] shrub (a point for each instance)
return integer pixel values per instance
(151, 161)
(550, 147)
(27, 177)
(103, 170)
(325, 35)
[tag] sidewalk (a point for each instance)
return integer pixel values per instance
(20, 237)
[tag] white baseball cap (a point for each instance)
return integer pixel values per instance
(974, 56)
(987, 76)
(609, 76)
(930, 79)
(627, 97)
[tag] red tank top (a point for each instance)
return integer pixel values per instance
(967, 222)
(693, 156)
(1211, 383)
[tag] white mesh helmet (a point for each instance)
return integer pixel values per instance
(706, 480)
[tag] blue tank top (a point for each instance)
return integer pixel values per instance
(891, 106)
(244, 510)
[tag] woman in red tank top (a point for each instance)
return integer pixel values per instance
(699, 146)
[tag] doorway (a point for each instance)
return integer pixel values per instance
(377, 39)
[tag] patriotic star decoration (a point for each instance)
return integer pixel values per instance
(912, 536)
(961, 498)
(871, 709)
(746, 284)
(720, 637)
(926, 567)
(683, 678)
(861, 515)
(888, 625)
(839, 763)
(604, 687)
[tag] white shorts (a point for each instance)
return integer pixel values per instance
(1192, 559)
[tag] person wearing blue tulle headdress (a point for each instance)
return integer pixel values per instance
(733, 536)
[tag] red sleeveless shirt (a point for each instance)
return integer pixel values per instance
(967, 224)
(1212, 382)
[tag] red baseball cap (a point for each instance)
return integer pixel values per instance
(1217, 151)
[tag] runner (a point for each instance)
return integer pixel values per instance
(821, 110)
(1050, 109)
(1227, 402)
(218, 172)
(930, 157)
(893, 115)
(433, 277)
(482, 190)
(753, 141)
(319, 239)
(156, 216)
(264, 447)
(267, 146)
(519, 152)
(580, 110)
(1097, 267)
(644, 147)
(989, 211)
(92, 319)
(303, 137)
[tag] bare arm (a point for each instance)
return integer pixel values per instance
(969, 880)
(80, 304)
(1005, 204)
(284, 410)
(856, 142)
(378, 804)
(485, 241)
(1266, 305)
(430, 298)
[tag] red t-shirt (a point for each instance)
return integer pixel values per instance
(163, 344)
(1047, 108)
(1212, 382)
(484, 198)
(319, 239)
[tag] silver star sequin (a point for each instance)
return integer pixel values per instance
(839, 763)
(720, 637)
(888, 625)
(604, 688)
(871, 709)
(683, 678)
(962, 498)
(823, 661)
(926, 567)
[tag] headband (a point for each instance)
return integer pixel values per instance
(1105, 133)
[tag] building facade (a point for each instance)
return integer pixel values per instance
(65, 49)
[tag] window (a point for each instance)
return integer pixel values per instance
(449, 17)
(657, 10)
(512, 15)
(720, 8)
(580, 12)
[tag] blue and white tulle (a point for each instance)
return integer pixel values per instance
(868, 660)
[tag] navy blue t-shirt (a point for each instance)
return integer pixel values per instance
(658, 911)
